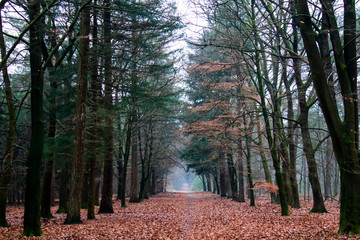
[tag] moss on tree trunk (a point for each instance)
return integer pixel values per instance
(350, 202)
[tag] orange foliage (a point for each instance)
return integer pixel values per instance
(214, 66)
(262, 184)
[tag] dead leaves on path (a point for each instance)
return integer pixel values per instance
(189, 216)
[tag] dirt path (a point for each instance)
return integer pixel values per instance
(188, 216)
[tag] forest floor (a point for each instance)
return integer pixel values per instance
(189, 216)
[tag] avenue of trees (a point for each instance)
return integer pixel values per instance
(91, 104)
(273, 104)
(100, 107)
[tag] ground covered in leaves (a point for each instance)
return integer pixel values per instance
(189, 216)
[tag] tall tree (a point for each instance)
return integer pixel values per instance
(106, 196)
(94, 119)
(10, 141)
(344, 132)
(32, 193)
(50, 161)
(74, 205)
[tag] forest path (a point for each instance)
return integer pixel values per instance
(188, 215)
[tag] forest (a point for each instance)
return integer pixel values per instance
(255, 101)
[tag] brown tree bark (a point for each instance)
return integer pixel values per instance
(223, 185)
(93, 131)
(49, 165)
(10, 140)
(106, 196)
(74, 205)
(248, 140)
(126, 160)
(32, 192)
(241, 195)
(134, 196)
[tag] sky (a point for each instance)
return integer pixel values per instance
(194, 25)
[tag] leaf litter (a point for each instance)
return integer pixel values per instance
(188, 216)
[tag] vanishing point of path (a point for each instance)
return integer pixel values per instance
(188, 216)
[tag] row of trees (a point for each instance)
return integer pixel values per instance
(102, 89)
(256, 80)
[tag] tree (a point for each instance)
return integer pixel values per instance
(10, 142)
(344, 132)
(73, 210)
(32, 193)
(106, 196)
(95, 93)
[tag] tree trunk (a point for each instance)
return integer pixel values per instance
(68, 149)
(94, 120)
(290, 137)
(34, 159)
(49, 165)
(208, 183)
(106, 196)
(241, 196)
(327, 171)
(143, 157)
(63, 191)
(344, 134)
(203, 181)
(120, 160)
(10, 141)
(85, 186)
(74, 205)
(263, 157)
(274, 155)
(134, 197)
(223, 186)
(153, 181)
(146, 159)
(318, 206)
(248, 161)
(126, 160)
(232, 174)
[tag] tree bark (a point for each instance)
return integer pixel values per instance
(134, 196)
(290, 137)
(248, 161)
(223, 186)
(344, 133)
(10, 141)
(32, 192)
(49, 165)
(120, 160)
(74, 205)
(327, 170)
(318, 203)
(126, 160)
(106, 196)
(93, 131)
(263, 157)
(232, 174)
(241, 196)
